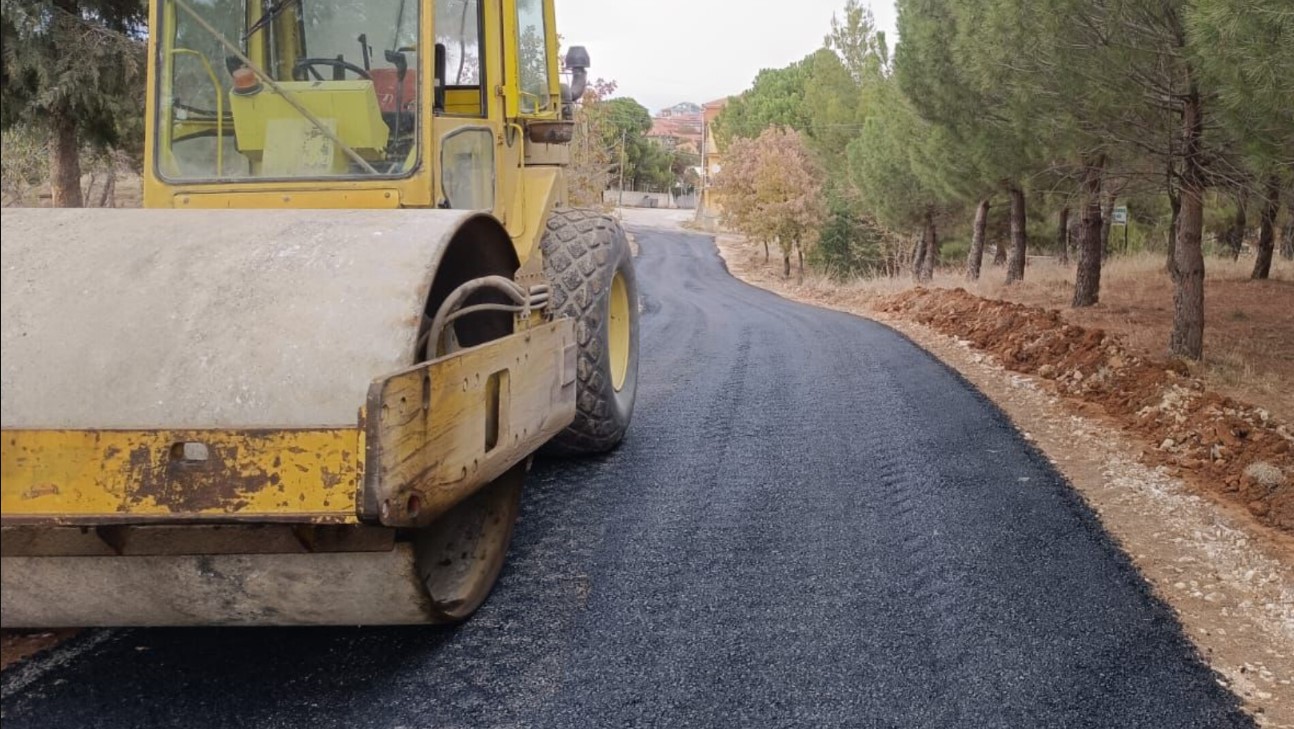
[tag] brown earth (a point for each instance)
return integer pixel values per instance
(17, 645)
(1221, 444)
(1249, 325)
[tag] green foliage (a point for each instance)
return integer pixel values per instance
(775, 99)
(82, 59)
(889, 159)
(826, 96)
(1245, 50)
(850, 244)
(24, 164)
(647, 165)
(653, 166)
(859, 45)
(627, 116)
(953, 67)
(835, 106)
(954, 248)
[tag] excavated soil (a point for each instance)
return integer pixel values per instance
(16, 645)
(1224, 446)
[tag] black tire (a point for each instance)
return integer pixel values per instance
(584, 251)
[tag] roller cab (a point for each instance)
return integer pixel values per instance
(305, 384)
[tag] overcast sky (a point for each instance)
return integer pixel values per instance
(665, 51)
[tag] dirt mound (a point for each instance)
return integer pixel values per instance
(1227, 447)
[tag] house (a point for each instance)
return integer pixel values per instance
(707, 210)
(679, 124)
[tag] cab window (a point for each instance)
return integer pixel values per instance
(532, 56)
(281, 89)
(459, 57)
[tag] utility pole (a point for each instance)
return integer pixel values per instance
(621, 202)
(701, 179)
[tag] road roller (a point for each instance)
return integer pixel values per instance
(303, 385)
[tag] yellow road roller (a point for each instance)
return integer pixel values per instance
(305, 383)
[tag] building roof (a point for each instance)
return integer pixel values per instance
(678, 127)
(711, 109)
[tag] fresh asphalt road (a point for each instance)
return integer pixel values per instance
(812, 523)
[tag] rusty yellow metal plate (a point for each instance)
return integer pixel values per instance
(110, 476)
(441, 430)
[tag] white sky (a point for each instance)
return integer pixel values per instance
(662, 52)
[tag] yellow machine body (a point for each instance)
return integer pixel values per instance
(235, 377)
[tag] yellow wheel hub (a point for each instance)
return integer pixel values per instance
(618, 331)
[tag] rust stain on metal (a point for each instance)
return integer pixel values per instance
(98, 476)
(41, 489)
(221, 481)
(330, 479)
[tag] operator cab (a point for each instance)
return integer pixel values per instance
(301, 89)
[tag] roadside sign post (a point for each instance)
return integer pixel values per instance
(1121, 218)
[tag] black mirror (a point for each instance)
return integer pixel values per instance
(577, 60)
(397, 59)
(577, 57)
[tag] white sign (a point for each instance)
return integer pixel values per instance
(1121, 215)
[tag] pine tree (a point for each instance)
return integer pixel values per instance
(891, 163)
(1245, 52)
(76, 69)
(951, 65)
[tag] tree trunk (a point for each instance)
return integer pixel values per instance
(932, 252)
(1107, 219)
(930, 246)
(1187, 339)
(766, 251)
(1287, 239)
(976, 258)
(65, 163)
(108, 198)
(1235, 237)
(786, 264)
(1019, 235)
(1267, 229)
(799, 252)
(1175, 215)
(88, 190)
(1091, 248)
(919, 253)
(999, 252)
(1062, 237)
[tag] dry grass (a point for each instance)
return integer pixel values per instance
(1249, 325)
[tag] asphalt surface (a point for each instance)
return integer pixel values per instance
(813, 523)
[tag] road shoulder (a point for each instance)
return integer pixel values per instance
(1230, 581)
